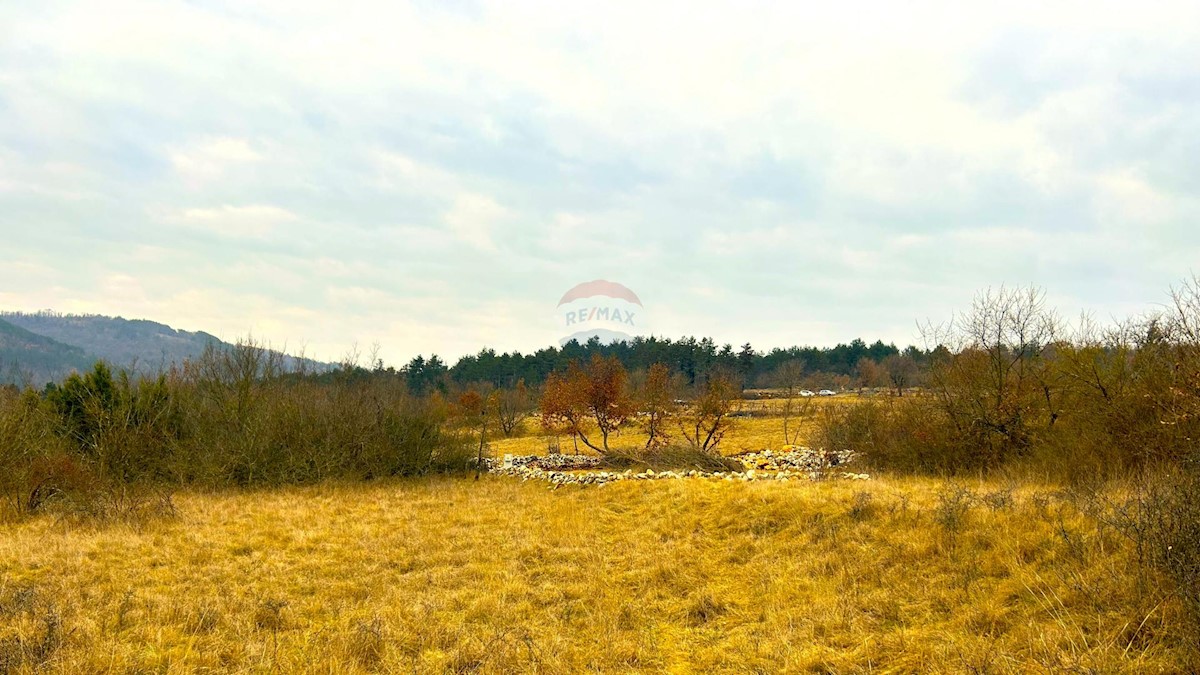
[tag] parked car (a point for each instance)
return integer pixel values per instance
(826, 392)
(805, 392)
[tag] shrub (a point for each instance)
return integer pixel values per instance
(704, 423)
(671, 457)
(1166, 524)
(901, 434)
(27, 440)
(106, 444)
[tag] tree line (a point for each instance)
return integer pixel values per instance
(696, 360)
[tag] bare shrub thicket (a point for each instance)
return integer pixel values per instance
(1010, 386)
(249, 422)
(997, 389)
(107, 444)
(1010, 382)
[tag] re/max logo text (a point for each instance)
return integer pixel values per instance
(600, 314)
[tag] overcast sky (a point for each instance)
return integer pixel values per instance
(433, 176)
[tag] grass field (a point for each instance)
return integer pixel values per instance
(497, 576)
(761, 429)
(500, 576)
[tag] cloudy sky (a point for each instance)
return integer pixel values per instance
(433, 176)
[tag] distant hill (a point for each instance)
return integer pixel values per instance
(76, 341)
(121, 342)
(26, 357)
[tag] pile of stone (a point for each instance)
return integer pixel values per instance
(795, 457)
(788, 465)
(546, 462)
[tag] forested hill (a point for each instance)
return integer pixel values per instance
(121, 342)
(25, 355)
(45, 346)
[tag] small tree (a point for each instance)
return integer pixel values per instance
(512, 406)
(788, 377)
(474, 406)
(87, 407)
(901, 370)
(870, 373)
(596, 394)
(708, 419)
(657, 404)
(561, 405)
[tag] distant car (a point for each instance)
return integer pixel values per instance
(805, 392)
(826, 392)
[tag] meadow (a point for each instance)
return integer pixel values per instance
(449, 574)
(760, 428)
(1035, 509)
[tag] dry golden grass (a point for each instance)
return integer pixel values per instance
(746, 434)
(498, 576)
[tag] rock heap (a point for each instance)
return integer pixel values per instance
(546, 462)
(791, 464)
(795, 458)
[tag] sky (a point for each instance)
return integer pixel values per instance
(431, 177)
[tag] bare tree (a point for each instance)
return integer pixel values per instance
(901, 370)
(513, 406)
(708, 419)
(795, 408)
(657, 402)
(995, 383)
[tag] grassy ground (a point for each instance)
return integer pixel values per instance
(751, 433)
(501, 576)
(761, 429)
(498, 576)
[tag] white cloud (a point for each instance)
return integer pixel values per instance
(816, 171)
(474, 218)
(235, 222)
(208, 159)
(1126, 200)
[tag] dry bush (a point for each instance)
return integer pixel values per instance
(709, 416)
(1010, 386)
(1170, 521)
(670, 458)
(908, 435)
(996, 387)
(31, 633)
(29, 451)
(108, 446)
(1159, 514)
